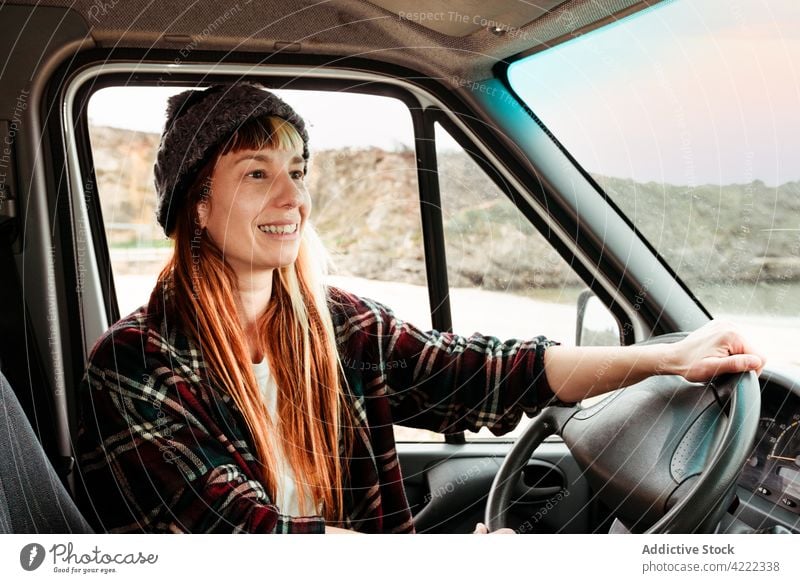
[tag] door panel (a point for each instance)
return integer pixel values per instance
(447, 486)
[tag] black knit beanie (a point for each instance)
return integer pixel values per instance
(197, 122)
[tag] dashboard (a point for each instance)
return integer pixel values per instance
(773, 470)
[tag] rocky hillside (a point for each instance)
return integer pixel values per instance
(366, 210)
(739, 232)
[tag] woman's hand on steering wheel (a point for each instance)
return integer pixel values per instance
(714, 349)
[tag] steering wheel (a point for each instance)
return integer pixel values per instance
(663, 454)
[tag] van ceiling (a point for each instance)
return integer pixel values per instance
(469, 16)
(474, 37)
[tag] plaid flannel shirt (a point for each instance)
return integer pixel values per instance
(161, 449)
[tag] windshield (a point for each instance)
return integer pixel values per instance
(687, 115)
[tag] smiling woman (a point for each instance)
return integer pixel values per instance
(244, 183)
(260, 204)
(250, 205)
(247, 396)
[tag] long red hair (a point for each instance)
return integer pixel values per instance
(295, 333)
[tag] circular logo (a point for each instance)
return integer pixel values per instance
(31, 556)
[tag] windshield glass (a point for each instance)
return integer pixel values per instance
(687, 115)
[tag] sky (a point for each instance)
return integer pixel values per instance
(324, 113)
(687, 93)
(334, 120)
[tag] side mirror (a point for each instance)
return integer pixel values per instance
(595, 324)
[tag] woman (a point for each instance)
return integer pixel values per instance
(248, 397)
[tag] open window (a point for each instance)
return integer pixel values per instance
(363, 184)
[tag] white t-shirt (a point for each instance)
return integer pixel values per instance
(287, 501)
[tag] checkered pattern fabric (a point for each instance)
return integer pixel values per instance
(162, 449)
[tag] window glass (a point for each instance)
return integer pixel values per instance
(505, 279)
(686, 115)
(362, 179)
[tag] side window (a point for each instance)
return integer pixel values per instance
(362, 179)
(363, 185)
(505, 279)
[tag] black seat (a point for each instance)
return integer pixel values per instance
(32, 497)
